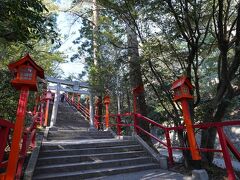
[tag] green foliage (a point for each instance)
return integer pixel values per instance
(9, 96)
(25, 27)
(24, 20)
(177, 38)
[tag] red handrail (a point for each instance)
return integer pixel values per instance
(81, 108)
(5, 127)
(28, 140)
(224, 141)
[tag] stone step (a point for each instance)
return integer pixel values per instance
(50, 153)
(79, 137)
(96, 173)
(70, 120)
(69, 128)
(81, 166)
(76, 132)
(83, 144)
(73, 152)
(88, 158)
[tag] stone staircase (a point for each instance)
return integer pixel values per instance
(72, 152)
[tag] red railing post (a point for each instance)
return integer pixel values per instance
(232, 148)
(119, 129)
(169, 147)
(23, 153)
(226, 156)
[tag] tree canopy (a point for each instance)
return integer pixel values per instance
(26, 26)
(199, 39)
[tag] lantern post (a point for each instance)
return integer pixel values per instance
(47, 98)
(107, 102)
(182, 89)
(25, 78)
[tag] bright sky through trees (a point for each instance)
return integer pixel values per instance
(68, 28)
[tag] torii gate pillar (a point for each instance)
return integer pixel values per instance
(91, 128)
(55, 106)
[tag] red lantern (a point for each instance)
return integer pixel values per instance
(25, 78)
(25, 73)
(182, 89)
(107, 100)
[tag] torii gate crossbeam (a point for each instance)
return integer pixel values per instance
(76, 85)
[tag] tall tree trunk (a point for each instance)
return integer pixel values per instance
(118, 96)
(95, 32)
(128, 100)
(136, 77)
(226, 72)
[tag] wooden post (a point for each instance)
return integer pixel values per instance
(17, 134)
(190, 131)
(48, 98)
(226, 155)
(107, 116)
(107, 102)
(46, 113)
